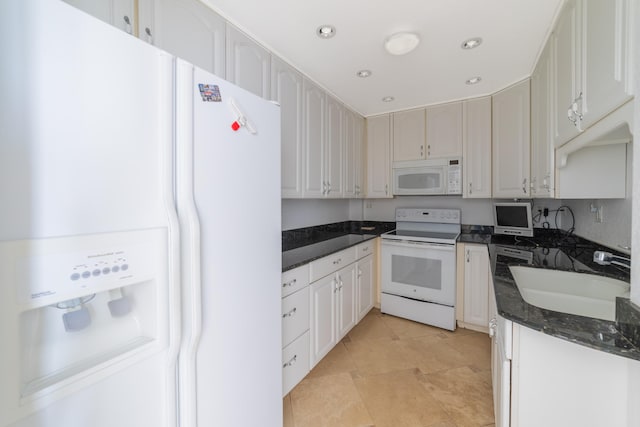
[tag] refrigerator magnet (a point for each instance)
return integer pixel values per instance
(210, 93)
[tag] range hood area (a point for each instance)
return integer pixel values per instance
(594, 164)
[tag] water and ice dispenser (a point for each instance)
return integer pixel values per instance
(74, 307)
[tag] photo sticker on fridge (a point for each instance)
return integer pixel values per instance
(210, 93)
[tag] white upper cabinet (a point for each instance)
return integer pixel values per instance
(192, 31)
(431, 133)
(476, 144)
(286, 89)
(511, 141)
(119, 13)
(379, 157)
(566, 74)
(333, 149)
(248, 63)
(444, 131)
(352, 154)
(314, 112)
(592, 75)
(542, 147)
(409, 135)
(360, 156)
(607, 57)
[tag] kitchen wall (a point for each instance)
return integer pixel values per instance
(474, 211)
(615, 230)
(298, 213)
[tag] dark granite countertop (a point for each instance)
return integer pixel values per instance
(551, 249)
(303, 245)
(305, 254)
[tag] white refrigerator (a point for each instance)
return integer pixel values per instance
(140, 254)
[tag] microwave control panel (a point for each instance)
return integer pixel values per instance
(454, 177)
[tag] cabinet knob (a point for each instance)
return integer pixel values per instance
(524, 186)
(289, 283)
(127, 24)
(468, 255)
(147, 31)
(289, 313)
(290, 362)
(470, 188)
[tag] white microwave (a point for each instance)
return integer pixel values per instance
(427, 177)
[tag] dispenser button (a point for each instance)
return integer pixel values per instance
(115, 269)
(86, 274)
(75, 276)
(96, 272)
(106, 270)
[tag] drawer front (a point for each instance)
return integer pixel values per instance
(294, 280)
(329, 264)
(364, 249)
(295, 315)
(295, 363)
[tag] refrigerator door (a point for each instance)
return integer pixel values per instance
(228, 192)
(88, 231)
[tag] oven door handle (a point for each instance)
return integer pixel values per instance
(425, 245)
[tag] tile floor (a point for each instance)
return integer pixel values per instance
(392, 372)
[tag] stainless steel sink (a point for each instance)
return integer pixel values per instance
(570, 292)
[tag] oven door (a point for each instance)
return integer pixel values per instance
(419, 270)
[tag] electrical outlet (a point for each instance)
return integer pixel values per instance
(599, 211)
(600, 214)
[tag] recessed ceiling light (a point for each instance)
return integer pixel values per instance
(388, 99)
(364, 73)
(401, 43)
(474, 80)
(326, 31)
(471, 43)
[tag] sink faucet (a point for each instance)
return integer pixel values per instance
(606, 258)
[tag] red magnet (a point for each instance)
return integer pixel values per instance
(235, 125)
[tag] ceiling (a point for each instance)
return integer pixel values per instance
(513, 33)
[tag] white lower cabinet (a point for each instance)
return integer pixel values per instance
(365, 286)
(474, 279)
(340, 298)
(295, 327)
(323, 317)
(541, 380)
(333, 310)
(295, 363)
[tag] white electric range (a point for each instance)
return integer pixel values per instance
(418, 266)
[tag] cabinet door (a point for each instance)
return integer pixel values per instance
(511, 142)
(323, 317)
(542, 148)
(314, 110)
(333, 158)
(409, 135)
(476, 143)
(444, 131)
(192, 31)
(378, 156)
(566, 46)
(365, 286)
(350, 155)
(476, 285)
(248, 63)
(286, 89)
(360, 156)
(346, 294)
(119, 13)
(607, 58)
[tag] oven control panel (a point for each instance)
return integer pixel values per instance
(444, 216)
